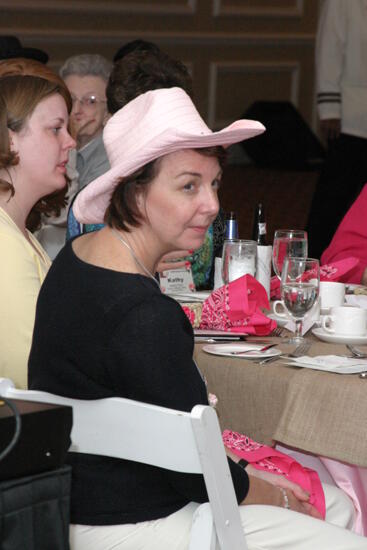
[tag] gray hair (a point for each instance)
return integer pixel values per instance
(86, 65)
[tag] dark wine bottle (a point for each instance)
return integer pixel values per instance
(259, 233)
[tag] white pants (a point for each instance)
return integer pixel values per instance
(266, 528)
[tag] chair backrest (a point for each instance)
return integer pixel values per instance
(167, 438)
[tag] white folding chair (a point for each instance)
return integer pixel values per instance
(167, 438)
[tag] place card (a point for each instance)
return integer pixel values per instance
(177, 280)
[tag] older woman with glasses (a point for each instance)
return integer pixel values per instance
(86, 77)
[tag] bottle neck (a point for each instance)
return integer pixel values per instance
(231, 229)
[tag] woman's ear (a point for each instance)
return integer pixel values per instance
(12, 140)
(140, 201)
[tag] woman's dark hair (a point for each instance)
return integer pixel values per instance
(123, 211)
(141, 71)
(20, 93)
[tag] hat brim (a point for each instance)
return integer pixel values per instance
(91, 203)
(27, 53)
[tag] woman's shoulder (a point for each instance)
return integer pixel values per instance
(13, 243)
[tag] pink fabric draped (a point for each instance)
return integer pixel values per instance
(237, 307)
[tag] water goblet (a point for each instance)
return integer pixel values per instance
(288, 242)
(239, 258)
(299, 289)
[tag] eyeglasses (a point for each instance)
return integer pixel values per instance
(88, 101)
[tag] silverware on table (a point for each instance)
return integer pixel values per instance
(278, 331)
(249, 351)
(300, 350)
(222, 339)
(356, 352)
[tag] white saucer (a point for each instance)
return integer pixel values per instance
(228, 349)
(339, 338)
(281, 321)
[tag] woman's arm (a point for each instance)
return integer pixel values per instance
(350, 239)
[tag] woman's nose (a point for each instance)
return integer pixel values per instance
(69, 143)
(211, 202)
(77, 106)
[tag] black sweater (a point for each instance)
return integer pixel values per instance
(102, 333)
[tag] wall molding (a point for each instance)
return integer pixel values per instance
(273, 11)
(107, 7)
(78, 36)
(248, 67)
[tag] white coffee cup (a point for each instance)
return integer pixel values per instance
(280, 309)
(346, 320)
(332, 294)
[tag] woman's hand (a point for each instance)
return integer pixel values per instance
(281, 481)
(173, 260)
(263, 492)
(297, 497)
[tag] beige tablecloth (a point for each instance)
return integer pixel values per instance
(319, 412)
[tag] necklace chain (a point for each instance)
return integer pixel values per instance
(136, 259)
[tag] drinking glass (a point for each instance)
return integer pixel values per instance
(299, 289)
(239, 258)
(288, 242)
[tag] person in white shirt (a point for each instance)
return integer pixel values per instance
(341, 74)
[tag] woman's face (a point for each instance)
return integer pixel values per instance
(43, 147)
(89, 111)
(182, 200)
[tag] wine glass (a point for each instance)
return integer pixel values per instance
(299, 289)
(288, 242)
(239, 258)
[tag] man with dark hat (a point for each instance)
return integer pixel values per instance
(10, 47)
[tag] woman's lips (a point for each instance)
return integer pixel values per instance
(200, 229)
(62, 167)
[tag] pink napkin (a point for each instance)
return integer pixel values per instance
(268, 459)
(236, 307)
(328, 272)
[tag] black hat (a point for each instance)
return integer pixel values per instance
(10, 47)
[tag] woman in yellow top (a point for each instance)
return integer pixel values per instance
(34, 147)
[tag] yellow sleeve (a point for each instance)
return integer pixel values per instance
(20, 283)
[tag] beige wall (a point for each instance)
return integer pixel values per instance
(237, 50)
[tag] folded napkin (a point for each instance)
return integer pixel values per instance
(236, 307)
(271, 460)
(328, 272)
(330, 363)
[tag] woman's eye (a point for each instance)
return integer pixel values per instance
(189, 187)
(216, 184)
(56, 130)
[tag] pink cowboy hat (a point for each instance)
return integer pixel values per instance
(152, 125)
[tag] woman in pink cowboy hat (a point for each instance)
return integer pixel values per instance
(104, 336)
